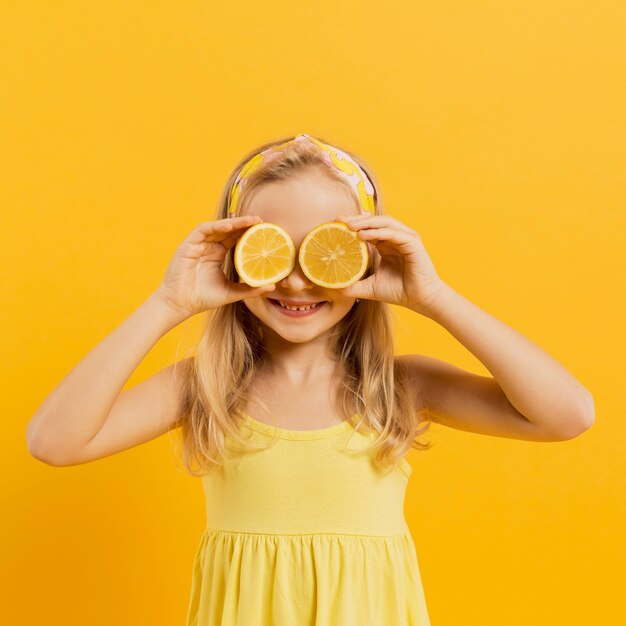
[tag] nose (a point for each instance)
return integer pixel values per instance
(296, 280)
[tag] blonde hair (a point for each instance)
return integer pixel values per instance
(217, 380)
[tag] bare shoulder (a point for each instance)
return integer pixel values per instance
(411, 372)
(460, 399)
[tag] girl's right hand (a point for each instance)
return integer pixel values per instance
(195, 280)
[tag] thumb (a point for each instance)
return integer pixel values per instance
(242, 290)
(360, 289)
(349, 292)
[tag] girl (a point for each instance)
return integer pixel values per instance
(298, 422)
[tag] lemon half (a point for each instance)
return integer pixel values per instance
(264, 254)
(331, 255)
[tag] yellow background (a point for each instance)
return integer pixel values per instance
(496, 129)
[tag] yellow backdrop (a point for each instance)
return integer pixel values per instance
(496, 130)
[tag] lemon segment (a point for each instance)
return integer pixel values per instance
(331, 255)
(264, 254)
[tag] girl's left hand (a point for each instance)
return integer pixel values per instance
(405, 275)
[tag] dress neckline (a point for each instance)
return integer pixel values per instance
(288, 433)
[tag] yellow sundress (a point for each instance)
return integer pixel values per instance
(306, 534)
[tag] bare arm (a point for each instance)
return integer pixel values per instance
(536, 397)
(76, 410)
(87, 416)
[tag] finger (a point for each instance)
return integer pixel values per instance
(208, 231)
(361, 289)
(227, 240)
(229, 222)
(375, 221)
(404, 241)
(240, 291)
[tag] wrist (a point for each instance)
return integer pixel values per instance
(166, 311)
(436, 301)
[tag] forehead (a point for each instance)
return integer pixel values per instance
(299, 205)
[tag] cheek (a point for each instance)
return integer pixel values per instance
(252, 304)
(341, 309)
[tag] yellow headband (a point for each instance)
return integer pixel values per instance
(346, 165)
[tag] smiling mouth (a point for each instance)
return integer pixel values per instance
(307, 307)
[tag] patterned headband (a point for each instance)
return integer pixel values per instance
(347, 166)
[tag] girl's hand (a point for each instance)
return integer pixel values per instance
(405, 275)
(195, 280)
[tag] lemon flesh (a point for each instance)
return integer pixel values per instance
(332, 255)
(264, 254)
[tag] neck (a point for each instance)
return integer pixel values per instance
(298, 363)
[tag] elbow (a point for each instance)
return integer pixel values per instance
(42, 453)
(589, 412)
(585, 418)
(37, 453)
(48, 459)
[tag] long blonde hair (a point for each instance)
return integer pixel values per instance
(217, 380)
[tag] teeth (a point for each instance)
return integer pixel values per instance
(298, 308)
